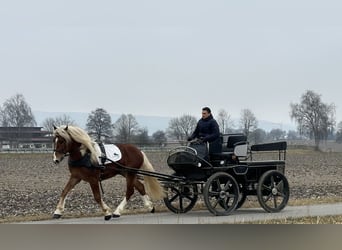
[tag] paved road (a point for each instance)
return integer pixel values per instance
(205, 217)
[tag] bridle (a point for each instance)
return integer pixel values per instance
(64, 152)
(61, 152)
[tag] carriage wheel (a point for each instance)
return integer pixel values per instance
(242, 197)
(180, 198)
(221, 193)
(273, 191)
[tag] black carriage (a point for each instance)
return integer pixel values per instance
(225, 177)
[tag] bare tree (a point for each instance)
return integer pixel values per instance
(159, 137)
(292, 135)
(99, 124)
(257, 136)
(1, 116)
(182, 127)
(276, 134)
(223, 120)
(17, 113)
(339, 133)
(248, 122)
(141, 137)
(50, 122)
(125, 128)
(314, 118)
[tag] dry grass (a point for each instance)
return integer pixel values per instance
(335, 219)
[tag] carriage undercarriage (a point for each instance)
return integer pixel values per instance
(224, 191)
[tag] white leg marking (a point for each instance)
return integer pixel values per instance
(147, 202)
(121, 207)
(105, 208)
(60, 207)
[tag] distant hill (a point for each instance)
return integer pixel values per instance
(152, 123)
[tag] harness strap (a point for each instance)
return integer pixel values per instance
(103, 153)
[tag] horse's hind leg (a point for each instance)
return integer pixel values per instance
(61, 203)
(130, 180)
(145, 198)
(98, 198)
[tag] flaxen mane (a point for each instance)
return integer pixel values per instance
(77, 134)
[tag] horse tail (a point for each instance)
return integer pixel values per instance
(152, 185)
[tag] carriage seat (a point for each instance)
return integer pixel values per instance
(235, 145)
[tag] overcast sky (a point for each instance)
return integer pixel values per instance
(169, 58)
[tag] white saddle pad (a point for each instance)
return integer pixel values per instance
(113, 153)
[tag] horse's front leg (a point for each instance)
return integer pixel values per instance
(95, 187)
(61, 204)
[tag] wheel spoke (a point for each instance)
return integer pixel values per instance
(189, 197)
(272, 182)
(218, 183)
(280, 185)
(214, 193)
(231, 196)
(267, 187)
(275, 201)
(227, 186)
(280, 189)
(181, 204)
(268, 197)
(281, 194)
(174, 197)
(225, 204)
(215, 203)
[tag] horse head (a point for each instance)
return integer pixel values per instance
(73, 141)
(62, 143)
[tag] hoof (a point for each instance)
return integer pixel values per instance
(116, 215)
(56, 216)
(108, 217)
(153, 210)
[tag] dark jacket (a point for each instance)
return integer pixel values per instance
(206, 129)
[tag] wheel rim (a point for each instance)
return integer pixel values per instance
(182, 198)
(273, 191)
(221, 194)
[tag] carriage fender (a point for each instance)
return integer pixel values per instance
(241, 150)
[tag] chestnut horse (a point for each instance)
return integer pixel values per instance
(84, 165)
